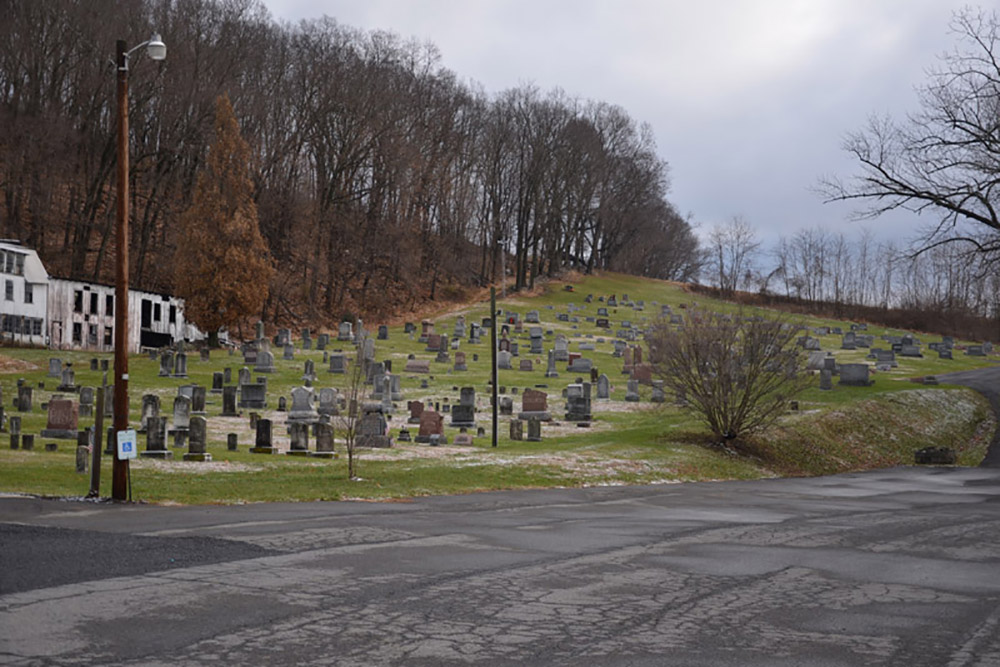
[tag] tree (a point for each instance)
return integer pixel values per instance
(945, 158)
(737, 372)
(222, 264)
(732, 251)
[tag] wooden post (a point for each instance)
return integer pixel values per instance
(119, 469)
(493, 358)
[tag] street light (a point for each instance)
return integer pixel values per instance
(156, 50)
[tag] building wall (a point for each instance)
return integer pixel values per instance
(23, 295)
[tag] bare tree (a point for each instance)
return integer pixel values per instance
(944, 160)
(736, 372)
(732, 253)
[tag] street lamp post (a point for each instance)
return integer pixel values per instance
(157, 50)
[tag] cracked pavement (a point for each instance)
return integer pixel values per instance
(892, 567)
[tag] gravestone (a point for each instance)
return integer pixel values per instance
(658, 394)
(150, 409)
(218, 381)
(282, 404)
(156, 439)
(460, 364)
(205, 354)
(503, 360)
(632, 391)
(516, 429)
(309, 371)
(197, 441)
(383, 332)
(55, 368)
(910, 350)
(373, 429)
(302, 406)
(62, 419)
(86, 402)
(459, 331)
(506, 406)
(182, 414)
(328, 402)
(944, 353)
(578, 402)
(416, 409)
(232, 442)
(322, 341)
(534, 405)
(525, 365)
(265, 362)
(580, 365)
(166, 363)
(975, 351)
(464, 414)
(288, 352)
(253, 396)
(344, 331)
(229, 401)
(197, 400)
(68, 382)
(534, 430)
(23, 401)
(426, 330)
(417, 366)
(531, 317)
(603, 387)
(263, 440)
(826, 379)
(298, 439)
(338, 363)
(431, 424)
(550, 369)
(854, 375)
(180, 365)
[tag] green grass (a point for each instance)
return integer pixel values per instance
(844, 429)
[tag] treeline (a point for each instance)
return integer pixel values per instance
(380, 178)
(952, 289)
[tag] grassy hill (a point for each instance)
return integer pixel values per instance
(848, 428)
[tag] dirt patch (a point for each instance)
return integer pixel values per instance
(9, 365)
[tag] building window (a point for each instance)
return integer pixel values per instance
(77, 301)
(173, 314)
(157, 312)
(29, 296)
(77, 333)
(8, 266)
(93, 304)
(109, 304)
(18, 264)
(92, 335)
(108, 335)
(8, 292)
(36, 327)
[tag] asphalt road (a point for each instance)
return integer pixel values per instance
(896, 567)
(987, 382)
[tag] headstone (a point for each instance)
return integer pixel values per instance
(298, 438)
(383, 332)
(338, 363)
(534, 430)
(658, 394)
(344, 332)
(417, 366)
(460, 364)
(825, 379)
(86, 402)
(218, 381)
(197, 400)
(182, 413)
(265, 362)
(578, 402)
(431, 424)
(506, 406)
(197, 441)
(205, 354)
(243, 376)
(534, 405)
(854, 375)
(55, 368)
(166, 363)
(328, 402)
(516, 429)
(180, 365)
(68, 382)
(525, 365)
(62, 419)
(156, 439)
(309, 371)
(464, 414)
(288, 353)
(253, 396)
(23, 403)
(263, 442)
(229, 401)
(632, 391)
(373, 429)
(416, 409)
(503, 360)
(603, 387)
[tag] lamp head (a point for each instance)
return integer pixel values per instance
(155, 48)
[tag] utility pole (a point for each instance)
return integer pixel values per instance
(493, 358)
(119, 469)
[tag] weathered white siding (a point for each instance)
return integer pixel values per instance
(23, 295)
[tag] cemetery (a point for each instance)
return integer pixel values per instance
(578, 404)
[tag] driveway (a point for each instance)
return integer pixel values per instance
(894, 567)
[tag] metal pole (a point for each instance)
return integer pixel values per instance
(493, 357)
(96, 443)
(119, 470)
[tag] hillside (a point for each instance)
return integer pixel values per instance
(848, 428)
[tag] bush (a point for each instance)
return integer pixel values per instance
(737, 372)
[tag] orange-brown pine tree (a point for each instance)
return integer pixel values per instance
(223, 267)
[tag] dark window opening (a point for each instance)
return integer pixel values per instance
(109, 304)
(77, 332)
(157, 312)
(77, 301)
(173, 314)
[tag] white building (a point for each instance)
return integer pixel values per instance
(24, 296)
(79, 315)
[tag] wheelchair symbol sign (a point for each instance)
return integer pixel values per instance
(126, 445)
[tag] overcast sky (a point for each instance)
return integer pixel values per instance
(749, 100)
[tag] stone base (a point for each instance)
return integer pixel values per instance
(577, 417)
(157, 454)
(540, 416)
(376, 441)
(262, 450)
(51, 447)
(324, 455)
(198, 457)
(62, 434)
(461, 424)
(297, 452)
(426, 440)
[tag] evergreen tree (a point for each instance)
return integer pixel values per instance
(223, 267)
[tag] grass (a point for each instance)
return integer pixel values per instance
(844, 429)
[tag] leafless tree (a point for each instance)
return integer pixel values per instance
(944, 159)
(736, 372)
(732, 253)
